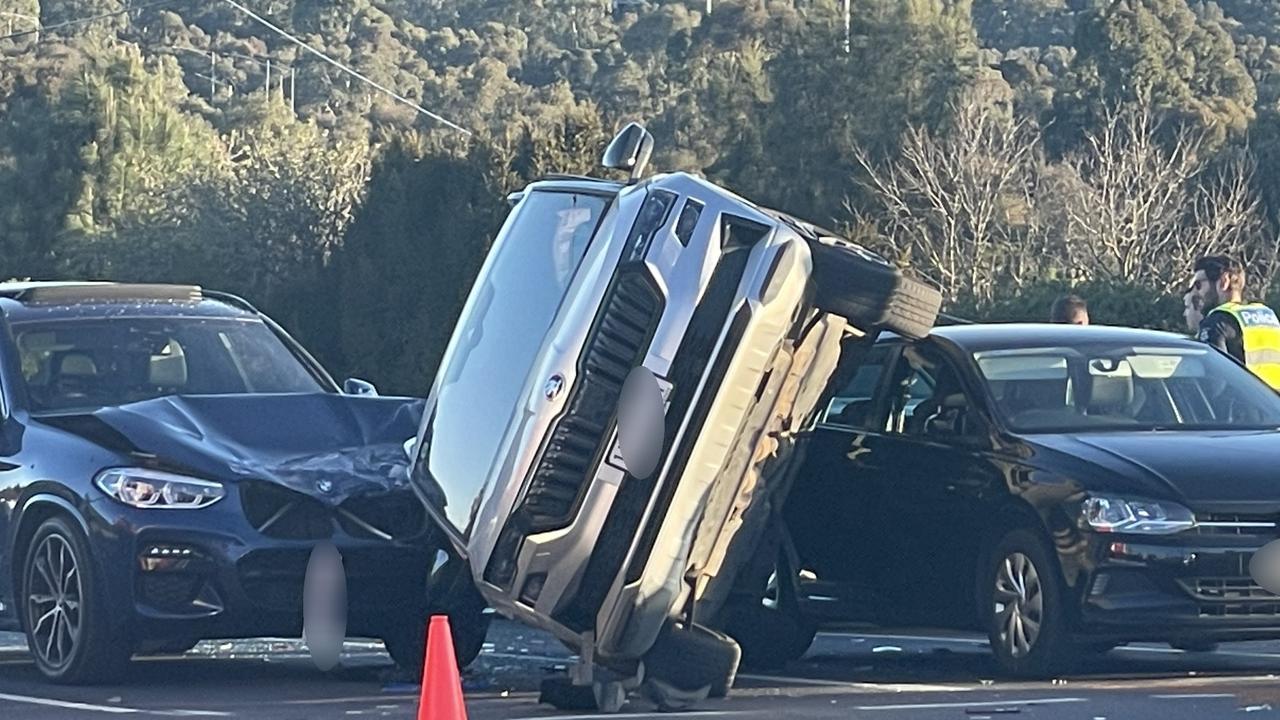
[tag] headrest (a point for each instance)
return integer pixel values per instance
(167, 371)
(76, 363)
(1109, 392)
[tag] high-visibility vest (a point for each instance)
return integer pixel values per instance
(1261, 333)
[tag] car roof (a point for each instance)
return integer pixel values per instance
(977, 337)
(24, 301)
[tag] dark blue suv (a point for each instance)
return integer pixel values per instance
(169, 457)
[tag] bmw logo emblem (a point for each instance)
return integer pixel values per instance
(553, 386)
(324, 486)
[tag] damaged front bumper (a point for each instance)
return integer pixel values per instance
(210, 574)
(1179, 588)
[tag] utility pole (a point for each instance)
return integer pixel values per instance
(709, 7)
(293, 74)
(266, 87)
(847, 24)
(213, 74)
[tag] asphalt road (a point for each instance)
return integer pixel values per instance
(845, 675)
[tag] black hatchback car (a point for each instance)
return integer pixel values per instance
(1066, 489)
(168, 459)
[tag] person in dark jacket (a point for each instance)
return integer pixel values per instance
(1069, 310)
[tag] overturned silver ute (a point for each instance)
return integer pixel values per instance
(619, 400)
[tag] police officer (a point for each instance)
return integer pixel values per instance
(1249, 332)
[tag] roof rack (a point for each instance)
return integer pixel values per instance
(57, 293)
(571, 176)
(233, 300)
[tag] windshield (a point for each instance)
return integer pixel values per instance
(90, 363)
(498, 342)
(1111, 387)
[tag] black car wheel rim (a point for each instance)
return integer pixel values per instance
(1019, 604)
(54, 601)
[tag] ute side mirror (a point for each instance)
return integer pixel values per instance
(629, 150)
(356, 386)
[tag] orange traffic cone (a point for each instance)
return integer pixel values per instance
(441, 697)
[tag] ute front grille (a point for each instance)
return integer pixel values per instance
(617, 344)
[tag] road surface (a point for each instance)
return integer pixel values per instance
(878, 676)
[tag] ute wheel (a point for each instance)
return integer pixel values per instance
(865, 289)
(686, 665)
(74, 636)
(451, 592)
(1024, 608)
(770, 636)
(561, 694)
(407, 643)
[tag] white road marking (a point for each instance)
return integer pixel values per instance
(109, 709)
(923, 638)
(539, 658)
(1194, 696)
(633, 716)
(974, 641)
(880, 687)
(1004, 703)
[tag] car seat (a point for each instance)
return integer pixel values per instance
(1111, 395)
(72, 376)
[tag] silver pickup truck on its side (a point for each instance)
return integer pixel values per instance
(668, 286)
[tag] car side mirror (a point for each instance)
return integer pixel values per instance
(356, 386)
(629, 150)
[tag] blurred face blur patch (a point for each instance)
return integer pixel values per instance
(1265, 567)
(640, 422)
(324, 606)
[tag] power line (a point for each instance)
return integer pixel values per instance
(83, 20)
(269, 25)
(369, 81)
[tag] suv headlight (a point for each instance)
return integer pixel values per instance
(653, 215)
(144, 488)
(1112, 514)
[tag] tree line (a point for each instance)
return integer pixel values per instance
(1005, 149)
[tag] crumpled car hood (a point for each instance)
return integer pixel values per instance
(326, 445)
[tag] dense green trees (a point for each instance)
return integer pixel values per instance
(188, 143)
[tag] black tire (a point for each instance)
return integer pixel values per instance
(450, 591)
(406, 643)
(75, 637)
(865, 289)
(1042, 606)
(561, 694)
(770, 637)
(692, 659)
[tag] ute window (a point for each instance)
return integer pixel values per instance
(79, 364)
(498, 338)
(1103, 387)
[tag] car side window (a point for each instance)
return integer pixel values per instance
(854, 405)
(925, 394)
